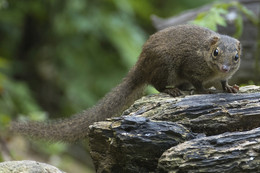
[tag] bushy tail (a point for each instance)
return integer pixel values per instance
(77, 127)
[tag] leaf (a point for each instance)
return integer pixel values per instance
(3, 63)
(215, 16)
(201, 15)
(212, 18)
(3, 4)
(239, 26)
(4, 119)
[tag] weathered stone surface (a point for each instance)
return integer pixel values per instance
(229, 152)
(208, 113)
(133, 144)
(135, 141)
(27, 166)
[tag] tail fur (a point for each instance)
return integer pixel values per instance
(77, 127)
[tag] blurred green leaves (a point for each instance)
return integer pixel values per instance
(216, 16)
(3, 65)
(3, 4)
(15, 97)
(97, 43)
(211, 18)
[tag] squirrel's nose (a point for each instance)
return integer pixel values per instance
(225, 68)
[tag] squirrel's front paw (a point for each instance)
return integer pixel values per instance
(231, 89)
(175, 92)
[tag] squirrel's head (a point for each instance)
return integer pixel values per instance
(225, 54)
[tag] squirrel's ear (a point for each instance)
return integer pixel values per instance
(239, 45)
(213, 40)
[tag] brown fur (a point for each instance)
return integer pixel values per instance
(176, 56)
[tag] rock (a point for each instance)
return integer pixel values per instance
(135, 141)
(133, 144)
(210, 114)
(225, 153)
(27, 166)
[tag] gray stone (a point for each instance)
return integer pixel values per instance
(27, 166)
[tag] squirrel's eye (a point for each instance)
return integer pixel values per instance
(236, 57)
(215, 53)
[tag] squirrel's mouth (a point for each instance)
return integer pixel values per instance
(220, 68)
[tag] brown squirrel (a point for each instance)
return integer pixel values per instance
(176, 56)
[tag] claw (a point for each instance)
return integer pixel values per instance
(174, 92)
(232, 89)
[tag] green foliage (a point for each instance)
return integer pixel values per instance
(3, 65)
(211, 18)
(15, 96)
(215, 16)
(85, 35)
(49, 148)
(17, 99)
(3, 4)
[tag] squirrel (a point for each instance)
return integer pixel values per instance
(171, 59)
